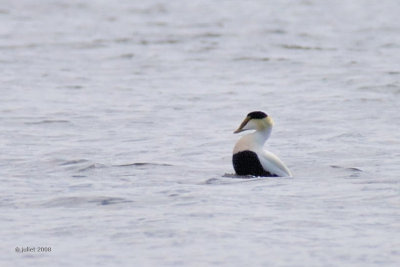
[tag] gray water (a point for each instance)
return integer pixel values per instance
(116, 123)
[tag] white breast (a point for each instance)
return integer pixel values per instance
(245, 143)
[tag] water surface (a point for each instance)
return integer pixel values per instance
(116, 124)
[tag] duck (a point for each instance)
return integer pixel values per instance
(249, 156)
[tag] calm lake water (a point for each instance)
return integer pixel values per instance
(116, 124)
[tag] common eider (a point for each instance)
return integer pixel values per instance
(249, 157)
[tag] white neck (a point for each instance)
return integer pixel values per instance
(261, 136)
(253, 141)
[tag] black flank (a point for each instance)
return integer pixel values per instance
(247, 163)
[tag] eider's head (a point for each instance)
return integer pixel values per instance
(256, 120)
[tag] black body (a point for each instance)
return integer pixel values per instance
(247, 163)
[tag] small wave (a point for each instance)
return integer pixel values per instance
(379, 181)
(393, 72)
(122, 40)
(24, 46)
(354, 169)
(81, 165)
(122, 56)
(237, 179)
(301, 47)
(208, 35)
(75, 201)
(143, 164)
(92, 166)
(252, 59)
(74, 86)
(276, 31)
(234, 178)
(212, 181)
(73, 162)
(389, 87)
(346, 136)
(128, 55)
(156, 9)
(47, 122)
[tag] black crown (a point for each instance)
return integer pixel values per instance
(257, 115)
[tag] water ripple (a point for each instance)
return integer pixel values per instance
(143, 164)
(76, 201)
(48, 122)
